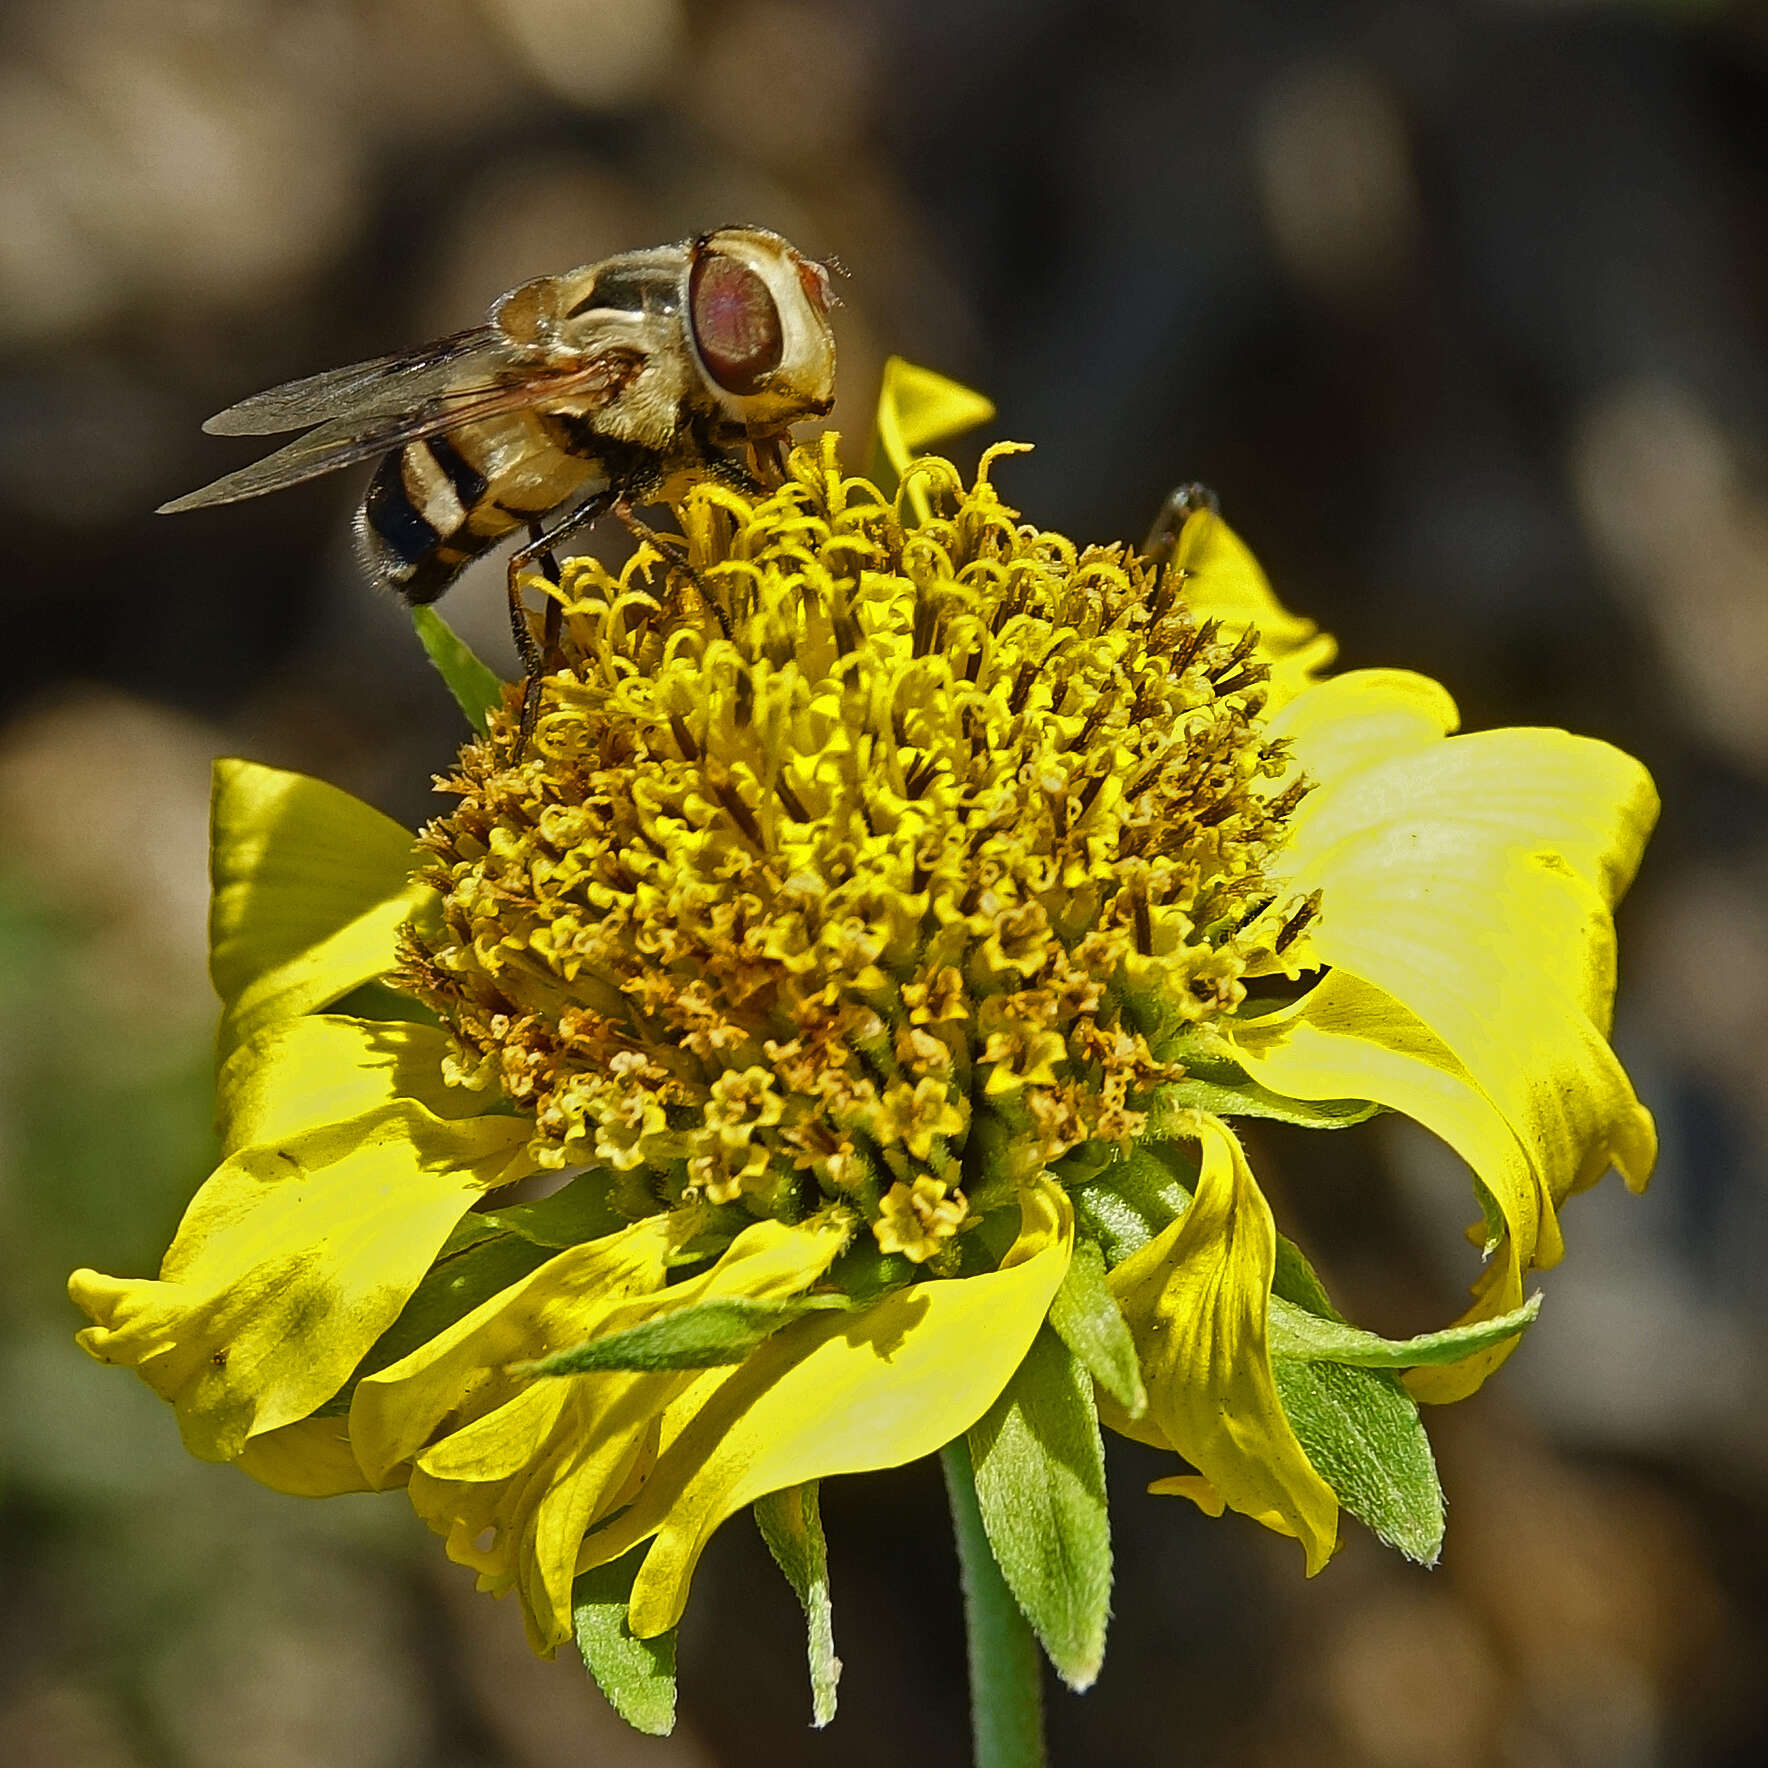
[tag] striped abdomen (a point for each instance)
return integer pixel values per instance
(434, 506)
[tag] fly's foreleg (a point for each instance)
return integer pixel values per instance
(539, 551)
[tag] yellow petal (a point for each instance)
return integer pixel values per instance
(537, 1465)
(575, 1450)
(310, 888)
(1364, 738)
(396, 1410)
(308, 1459)
(836, 1394)
(1470, 880)
(1365, 716)
(1224, 582)
(1197, 1301)
(299, 1074)
(291, 1261)
(917, 408)
(1346, 1039)
(1195, 1487)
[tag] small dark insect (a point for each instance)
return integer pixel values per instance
(1180, 504)
(586, 393)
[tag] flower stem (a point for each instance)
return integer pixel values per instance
(1006, 1675)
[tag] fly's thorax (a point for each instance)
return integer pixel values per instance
(856, 860)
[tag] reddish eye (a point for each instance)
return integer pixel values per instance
(736, 324)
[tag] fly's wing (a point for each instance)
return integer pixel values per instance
(430, 400)
(363, 389)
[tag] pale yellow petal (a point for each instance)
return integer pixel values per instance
(917, 408)
(522, 1471)
(310, 888)
(1351, 721)
(311, 1458)
(397, 1410)
(1470, 881)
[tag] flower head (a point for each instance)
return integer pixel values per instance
(893, 911)
(849, 844)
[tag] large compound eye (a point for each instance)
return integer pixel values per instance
(736, 324)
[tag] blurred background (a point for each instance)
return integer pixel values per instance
(1462, 308)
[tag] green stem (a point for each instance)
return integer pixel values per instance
(1006, 1675)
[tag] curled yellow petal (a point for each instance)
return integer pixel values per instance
(290, 1262)
(311, 887)
(1195, 1487)
(1197, 1302)
(1470, 880)
(397, 1410)
(521, 1468)
(1346, 1039)
(839, 1393)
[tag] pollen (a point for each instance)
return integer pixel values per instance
(862, 847)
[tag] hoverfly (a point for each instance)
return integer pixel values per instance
(585, 393)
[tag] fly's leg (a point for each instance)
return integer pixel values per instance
(553, 620)
(1182, 502)
(539, 550)
(674, 553)
(767, 458)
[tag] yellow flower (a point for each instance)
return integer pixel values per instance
(893, 911)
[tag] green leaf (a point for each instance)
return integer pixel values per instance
(1214, 1081)
(1086, 1317)
(1040, 1480)
(637, 1675)
(1361, 1430)
(704, 1336)
(1358, 1425)
(793, 1530)
(476, 688)
(582, 1210)
(865, 1274)
(1134, 1199)
(375, 1000)
(1294, 1280)
(1302, 1334)
(1246, 1098)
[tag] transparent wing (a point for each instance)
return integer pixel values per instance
(362, 389)
(345, 440)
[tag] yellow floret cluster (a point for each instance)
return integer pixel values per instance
(855, 856)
